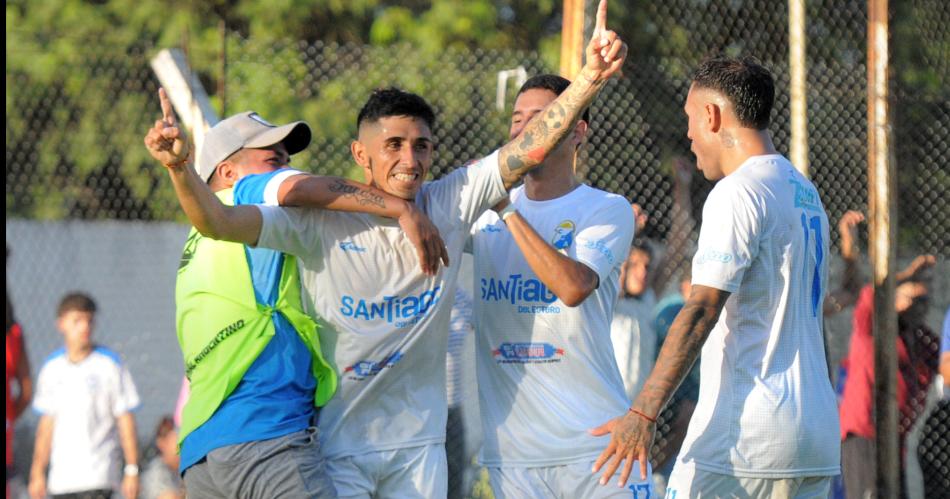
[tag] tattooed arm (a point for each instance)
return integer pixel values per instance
(605, 55)
(333, 193)
(632, 433)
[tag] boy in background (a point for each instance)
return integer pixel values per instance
(85, 397)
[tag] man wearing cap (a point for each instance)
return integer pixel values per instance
(383, 324)
(252, 356)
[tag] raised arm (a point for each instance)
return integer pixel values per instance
(605, 55)
(632, 434)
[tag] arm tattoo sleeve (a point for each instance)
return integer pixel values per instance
(546, 131)
(363, 195)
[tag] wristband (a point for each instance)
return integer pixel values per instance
(506, 212)
(644, 416)
(131, 470)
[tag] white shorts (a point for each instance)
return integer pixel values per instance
(688, 482)
(567, 481)
(416, 472)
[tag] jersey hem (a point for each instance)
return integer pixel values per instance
(536, 463)
(746, 473)
(383, 448)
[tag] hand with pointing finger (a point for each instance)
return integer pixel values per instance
(605, 51)
(165, 141)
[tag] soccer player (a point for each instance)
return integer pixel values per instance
(547, 278)
(384, 323)
(766, 424)
(256, 375)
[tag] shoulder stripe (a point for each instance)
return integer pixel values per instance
(108, 353)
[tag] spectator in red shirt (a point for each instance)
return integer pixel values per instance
(917, 350)
(19, 387)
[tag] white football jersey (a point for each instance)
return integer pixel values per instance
(384, 324)
(766, 407)
(546, 371)
(84, 399)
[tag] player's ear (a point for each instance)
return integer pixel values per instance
(228, 172)
(713, 116)
(580, 133)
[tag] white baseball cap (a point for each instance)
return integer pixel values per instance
(247, 130)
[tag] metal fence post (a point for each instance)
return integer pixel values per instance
(883, 210)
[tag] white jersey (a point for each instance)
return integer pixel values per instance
(634, 339)
(384, 324)
(766, 407)
(546, 371)
(84, 399)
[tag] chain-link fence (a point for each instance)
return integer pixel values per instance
(74, 152)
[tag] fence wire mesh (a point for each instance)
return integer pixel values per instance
(74, 147)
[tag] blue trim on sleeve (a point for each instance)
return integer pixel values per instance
(108, 353)
(59, 352)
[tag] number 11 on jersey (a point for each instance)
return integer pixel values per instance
(814, 224)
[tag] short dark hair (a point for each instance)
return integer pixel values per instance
(748, 85)
(640, 244)
(554, 83)
(76, 301)
(385, 102)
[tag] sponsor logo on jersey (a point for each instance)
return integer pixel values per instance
(400, 311)
(711, 255)
(516, 289)
(351, 246)
(805, 196)
(563, 235)
(366, 368)
(527, 353)
(600, 247)
(488, 229)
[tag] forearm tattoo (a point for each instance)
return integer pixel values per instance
(362, 195)
(544, 133)
(681, 349)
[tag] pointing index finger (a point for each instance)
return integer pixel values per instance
(601, 23)
(167, 115)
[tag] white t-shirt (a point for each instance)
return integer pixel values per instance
(461, 326)
(546, 371)
(766, 407)
(84, 399)
(384, 323)
(634, 340)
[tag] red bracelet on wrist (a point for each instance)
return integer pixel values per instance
(644, 416)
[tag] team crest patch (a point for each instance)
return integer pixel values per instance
(563, 235)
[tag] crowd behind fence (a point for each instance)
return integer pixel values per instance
(74, 146)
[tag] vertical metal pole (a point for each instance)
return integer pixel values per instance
(797, 72)
(881, 191)
(223, 80)
(572, 38)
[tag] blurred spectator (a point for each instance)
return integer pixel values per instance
(847, 294)
(643, 277)
(84, 396)
(183, 393)
(19, 387)
(933, 453)
(631, 329)
(160, 479)
(917, 363)
(460, 327)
